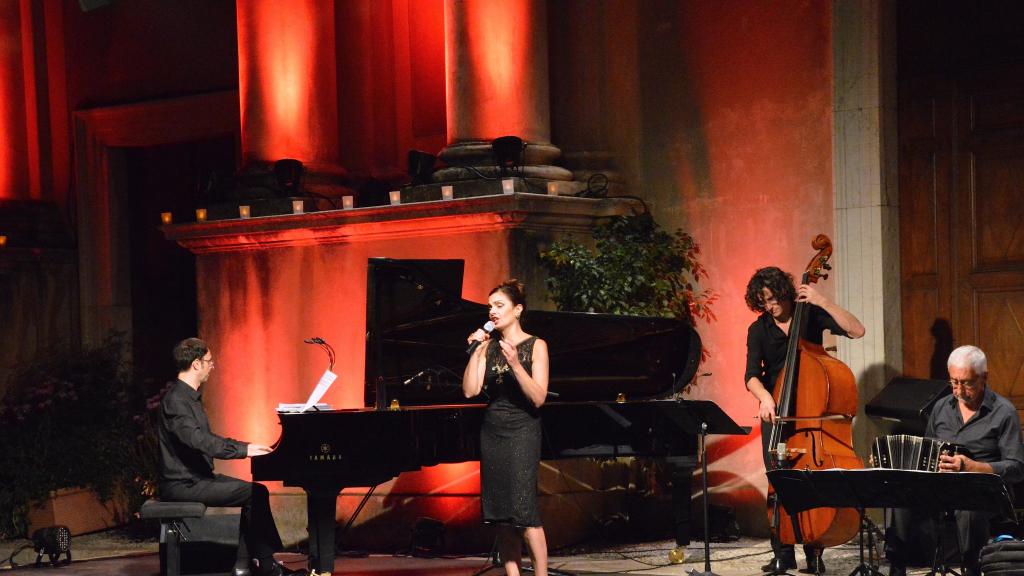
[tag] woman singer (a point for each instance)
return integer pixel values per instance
(511, 367)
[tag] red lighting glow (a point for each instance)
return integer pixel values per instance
(496, 59)
(13, 158)
(287, 80)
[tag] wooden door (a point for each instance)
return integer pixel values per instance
(962, 222)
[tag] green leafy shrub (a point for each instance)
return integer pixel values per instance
(74, 419)
(634, 267)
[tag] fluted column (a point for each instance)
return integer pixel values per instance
(14, 181)
(288, 84)
(496, 54)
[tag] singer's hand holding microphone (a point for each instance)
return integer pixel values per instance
(481, 335)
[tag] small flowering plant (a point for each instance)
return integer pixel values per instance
(73, 419)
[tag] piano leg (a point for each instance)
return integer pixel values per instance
(320, 514)
(682, 495)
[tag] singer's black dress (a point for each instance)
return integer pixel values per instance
(509, 443)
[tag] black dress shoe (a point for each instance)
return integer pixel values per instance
(897, 570)
(241, 571)
(779, 565)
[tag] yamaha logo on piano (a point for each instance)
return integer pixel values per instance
(325, 455)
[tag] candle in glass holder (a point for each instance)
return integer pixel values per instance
(396, 197)
(200, 214)
(447, 192)
(347, 202)
(166, 218)
(508, 186)
(552, 188)
(243, 211)
(3, 240)
(298, 206)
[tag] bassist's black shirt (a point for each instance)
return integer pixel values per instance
(766, 343)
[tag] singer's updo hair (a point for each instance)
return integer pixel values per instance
(513, 289)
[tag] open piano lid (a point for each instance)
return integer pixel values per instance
(417, 325)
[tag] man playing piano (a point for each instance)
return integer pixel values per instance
(187, 450)
(984, 423)
(771, 293)
(512, 370)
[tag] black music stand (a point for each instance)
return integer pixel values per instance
(705, 417)
(931, 492)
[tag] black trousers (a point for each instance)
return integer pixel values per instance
(259, 537)
(911, 537)
(778, 548)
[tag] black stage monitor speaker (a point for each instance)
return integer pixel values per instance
(907, 401)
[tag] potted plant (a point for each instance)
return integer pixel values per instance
(73, 429)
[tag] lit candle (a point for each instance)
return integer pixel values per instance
(298, 206)
(447, 192)
(396, 197)
(3, 241)
(200, 214)
(347, 202)
(243, 211)
(552, 188)
(508, 186)
(166, 218)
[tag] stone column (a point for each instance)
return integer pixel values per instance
(288, 86)
(866, 193)
(497, 85)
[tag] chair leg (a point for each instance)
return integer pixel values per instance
(173, 538)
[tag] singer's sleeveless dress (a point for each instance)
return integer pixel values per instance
(509, 443)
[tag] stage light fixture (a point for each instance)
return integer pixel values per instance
(508, 153)
(421, 166)
(427, 537)
(288, 173)
(52, 541)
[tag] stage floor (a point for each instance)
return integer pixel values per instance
(110, 555)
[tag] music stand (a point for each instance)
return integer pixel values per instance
(931, 492)
(705, 417)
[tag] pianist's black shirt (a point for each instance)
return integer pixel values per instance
(187, 447)
(766, 343)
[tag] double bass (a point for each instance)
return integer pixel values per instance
(815, 400)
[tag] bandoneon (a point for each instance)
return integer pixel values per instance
(906, 452)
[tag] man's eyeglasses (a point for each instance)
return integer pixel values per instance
(971, 383)
(207, 360)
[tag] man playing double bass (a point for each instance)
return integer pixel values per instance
(771, 293)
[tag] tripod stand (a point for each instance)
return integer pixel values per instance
(494, 561)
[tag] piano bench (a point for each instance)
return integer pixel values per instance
(171, 515)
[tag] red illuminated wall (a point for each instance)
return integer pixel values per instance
(754, 182)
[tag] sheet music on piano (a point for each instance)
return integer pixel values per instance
(313, 401)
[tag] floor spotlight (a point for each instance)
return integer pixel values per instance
(421, 167)
(52, 541)
(508, 153)
(288, 173)
(427, 537)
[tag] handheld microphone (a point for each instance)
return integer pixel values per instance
(488, 327)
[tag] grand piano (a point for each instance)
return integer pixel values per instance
(612, 385)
